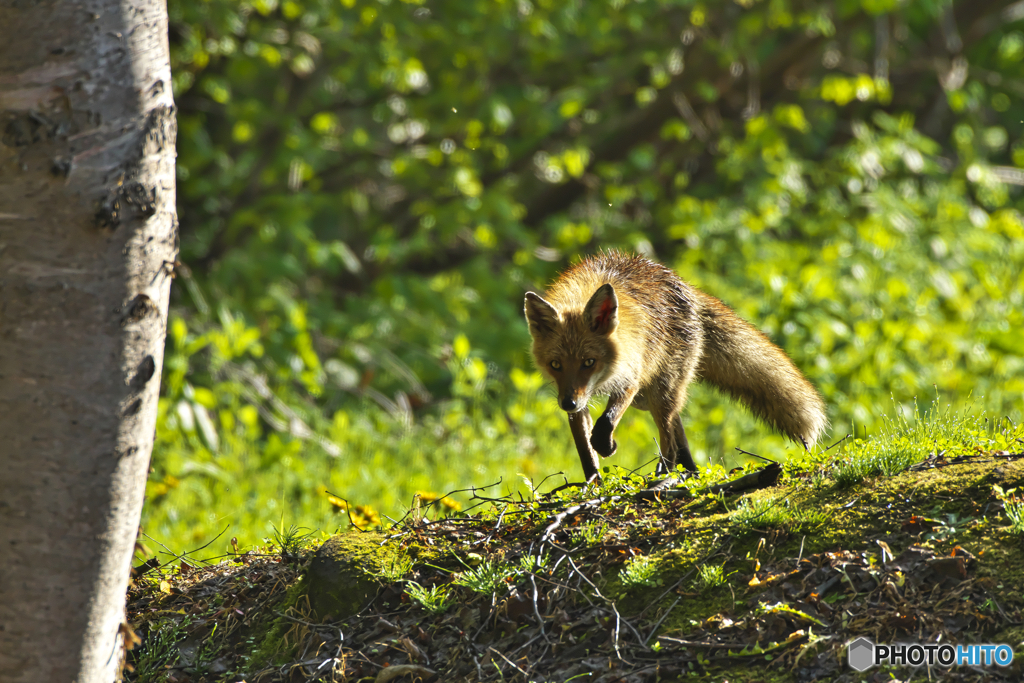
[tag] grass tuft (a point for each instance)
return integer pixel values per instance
(642, 570)
(910, 438)
(487, 578)
(436, 599)
(711, 576)
(1013, 505)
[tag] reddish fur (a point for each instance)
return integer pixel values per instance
(661, 335)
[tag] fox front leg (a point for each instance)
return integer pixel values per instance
(602, 438)
(580, 424)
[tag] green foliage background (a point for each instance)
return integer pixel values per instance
(368, 187)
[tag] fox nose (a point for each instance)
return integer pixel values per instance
(568, 403)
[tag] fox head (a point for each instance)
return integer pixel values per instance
(574, 347)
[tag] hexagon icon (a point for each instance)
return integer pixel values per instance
(861, 654)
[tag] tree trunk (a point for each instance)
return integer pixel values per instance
(87, 231)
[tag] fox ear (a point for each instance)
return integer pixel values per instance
(602, 311)
(542, 316)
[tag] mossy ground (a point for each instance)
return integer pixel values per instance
(606, 585)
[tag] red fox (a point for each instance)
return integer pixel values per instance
(629, 328)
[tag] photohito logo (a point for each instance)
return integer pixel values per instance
(862, 654)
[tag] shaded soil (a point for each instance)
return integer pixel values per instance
(760, 586)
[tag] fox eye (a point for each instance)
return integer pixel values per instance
(556, 365)
(588, 363)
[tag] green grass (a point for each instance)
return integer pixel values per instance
(910, 438)
(710, 576)
(259, 487)
(250, 481)
(1013, 505)
(160, 648)
(641, 570)
(486, 578)
(762, 513)
(775, 512)
(436, 599)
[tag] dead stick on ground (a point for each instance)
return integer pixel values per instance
(513, 664)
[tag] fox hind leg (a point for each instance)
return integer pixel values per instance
(675, 447)
(683, 455)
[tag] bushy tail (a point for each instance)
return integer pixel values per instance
(741, 361)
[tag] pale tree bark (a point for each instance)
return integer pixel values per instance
(87, 234)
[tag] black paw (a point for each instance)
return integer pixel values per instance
(601, 437)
